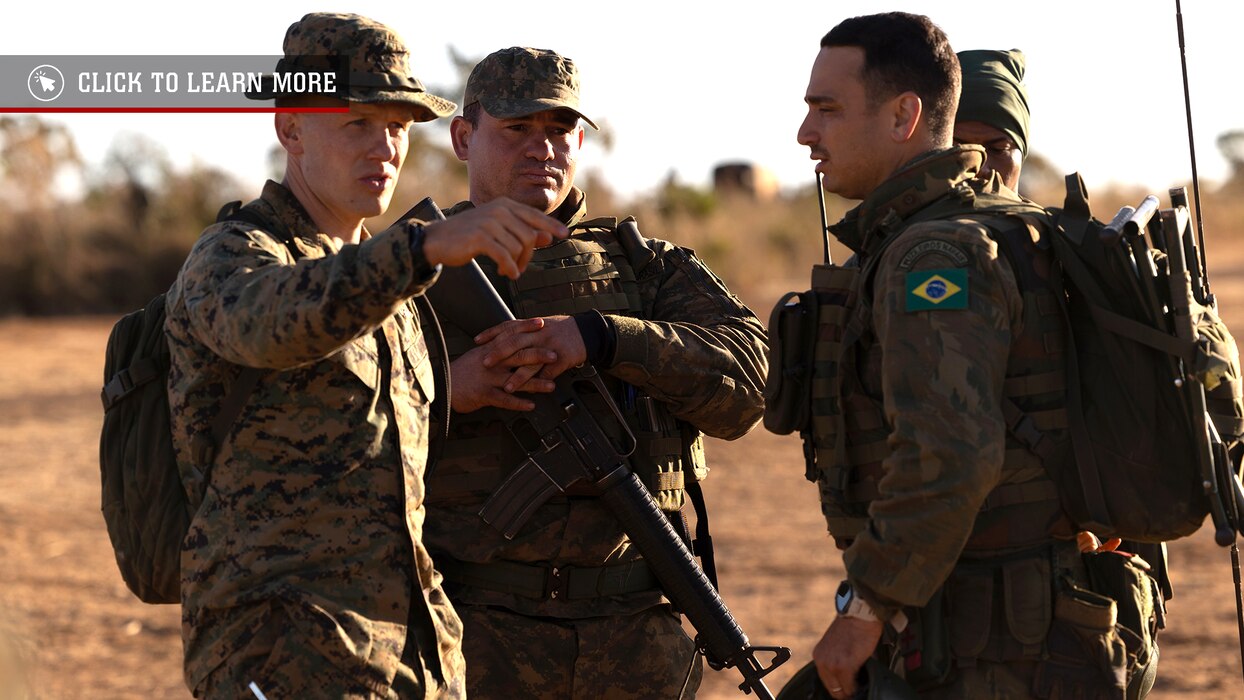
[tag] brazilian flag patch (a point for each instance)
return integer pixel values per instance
(937, 289)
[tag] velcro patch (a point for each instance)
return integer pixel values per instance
(945, 249)
(937, 289)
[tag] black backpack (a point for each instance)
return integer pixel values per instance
(146, 506)
(1154, 398)
(1154, 391)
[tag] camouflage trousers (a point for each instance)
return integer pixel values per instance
(642, 656)
(283, 668)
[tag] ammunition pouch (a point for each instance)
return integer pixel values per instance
(992, 609)
(1089, 626)
(924, 645)
(669, 453)
(1129, 581)
(792, 338)
(1087, 657)
(811, 337)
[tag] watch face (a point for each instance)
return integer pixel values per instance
(842, 599)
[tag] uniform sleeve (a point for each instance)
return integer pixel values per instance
(946, 306)
(700, 350)
(252, 304)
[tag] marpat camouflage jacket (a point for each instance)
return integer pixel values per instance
(315, 498)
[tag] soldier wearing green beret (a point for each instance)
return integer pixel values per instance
(939, 347)
(568, 608)
(304, 573)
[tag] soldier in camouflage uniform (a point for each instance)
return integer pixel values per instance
(568, 609)
(993, 111)
(937, 344)
(303, 571)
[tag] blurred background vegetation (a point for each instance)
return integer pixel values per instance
(122, 239)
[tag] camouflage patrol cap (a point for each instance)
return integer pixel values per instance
(372, 55)
(518, 81)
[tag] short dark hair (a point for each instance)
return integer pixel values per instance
(902, 52)
(471, 114)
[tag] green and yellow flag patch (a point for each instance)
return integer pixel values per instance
(937, 289)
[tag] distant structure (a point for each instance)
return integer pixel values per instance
(742, 179)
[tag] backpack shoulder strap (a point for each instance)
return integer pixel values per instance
(235, 211)
(204, 445)
(442, 382)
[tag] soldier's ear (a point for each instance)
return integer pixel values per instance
(460, 135)
(289, 132)
(906, 111)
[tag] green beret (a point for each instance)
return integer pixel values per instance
(994, 92)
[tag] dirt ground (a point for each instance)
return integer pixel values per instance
(78, 633)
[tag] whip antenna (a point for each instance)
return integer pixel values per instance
(820, 197)
(1196, 186)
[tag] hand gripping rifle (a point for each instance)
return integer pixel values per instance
(568, 448)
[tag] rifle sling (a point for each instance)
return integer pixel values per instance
(702, 545)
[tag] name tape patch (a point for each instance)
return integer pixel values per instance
(945, 249)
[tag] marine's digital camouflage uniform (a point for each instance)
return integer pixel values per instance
(304, 565)
(942, 512)
(303, 570)
(567, 609)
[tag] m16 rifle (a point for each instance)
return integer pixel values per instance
(568, 448)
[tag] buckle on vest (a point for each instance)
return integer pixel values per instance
(118, 388)
(557, 583)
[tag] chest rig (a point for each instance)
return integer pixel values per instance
(847, 431)
(597, 267)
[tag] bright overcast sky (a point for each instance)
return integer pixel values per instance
(685, 85)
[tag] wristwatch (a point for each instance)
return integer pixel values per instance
(849, 604)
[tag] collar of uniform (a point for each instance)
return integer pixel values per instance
(569, 212)
(573, 209)
(922, 181)
(284, 207)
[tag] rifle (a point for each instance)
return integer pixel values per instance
(567, 447)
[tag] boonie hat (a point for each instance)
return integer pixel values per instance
(373, 56)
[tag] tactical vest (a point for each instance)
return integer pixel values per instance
(589, 270)
(849, 431)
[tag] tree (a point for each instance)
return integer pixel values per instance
(1231, 145)
(33, 153)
